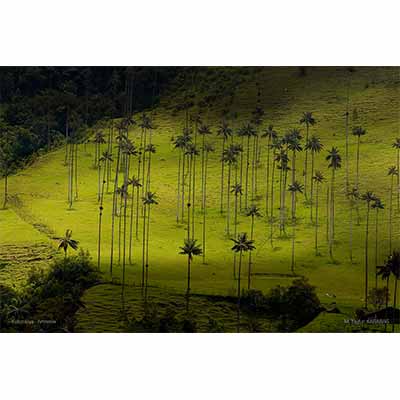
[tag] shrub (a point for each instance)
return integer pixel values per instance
(377, 297)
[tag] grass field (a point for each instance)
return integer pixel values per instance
(38, 208)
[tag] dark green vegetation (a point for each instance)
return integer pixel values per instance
(299, 170)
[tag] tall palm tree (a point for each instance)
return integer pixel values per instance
(315, 146)
(392, 172)
(106, 157)
(66, 242)
(377, 205)
(203, 131)
(307, 119)
(319, 179)
(229, 157)
(98, 140)
(135, 183)
(294, 146)
(237, 191)
(353, 196)
(283, 166)
(335, 162)
(276, 147)
(191, 152)
(368, 197)
(396, 145)
(149, 200)
(225, 132)
(358, 131)
(209, 149)
(256, 120)
(241, 245)
(271, 135)
(294, 188)
(249, 132)
(252, 212)
(190, 248)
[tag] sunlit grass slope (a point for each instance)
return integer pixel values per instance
(374, 94)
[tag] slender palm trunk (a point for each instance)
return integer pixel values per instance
(100, 220)
(272, 203)
(351, 230)
(144, 248)
(178, 187)
(327, 215)
(293, 234)
(267, 176)
(250, 254)
(306, 164)
(188, 285)
(228, 208)
(390, 215)
(376, 247)
(247, 172)
(253, 169)
(398, 179)
(222, 177)
(147, 258)
(241, 172)
(293, 193)
(366, 259)
(205, 208)
(347, 136)
(114, 210)
(358, 162)
(312, 186)
(76, 171)
(238, 291)
(183, 187)
(189, 194)
(316, 218)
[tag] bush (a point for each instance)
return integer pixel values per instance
(293, 306)
(377, 297)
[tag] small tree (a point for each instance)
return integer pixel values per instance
(190, 248)
(67, 241)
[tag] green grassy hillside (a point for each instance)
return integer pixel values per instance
(38, 210)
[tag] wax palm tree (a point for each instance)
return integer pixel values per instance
(256, 120)
(230, 157)
(396, 145)
(209, 149)
(283, 160)
(271, 136)
(150, 149)
(121, 138)
(237, 191)
(276, 147)
(392, 172)
(249, 132)
(335, 162)
(315, 146)
(377, 205)
(98, 140)
(203, 130)
(149, 200)
(106, 157)
(67, 242)
(319, 179)
(353, 196)
(191, 152)
(225, 132)
(358, 131)
(135, 183)
(294, 188)
(294, 146)
(241, 133)
(241, 245)
(308, 120)
(252, 212)
(180, 143)
(368, 197)
(190, 248)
